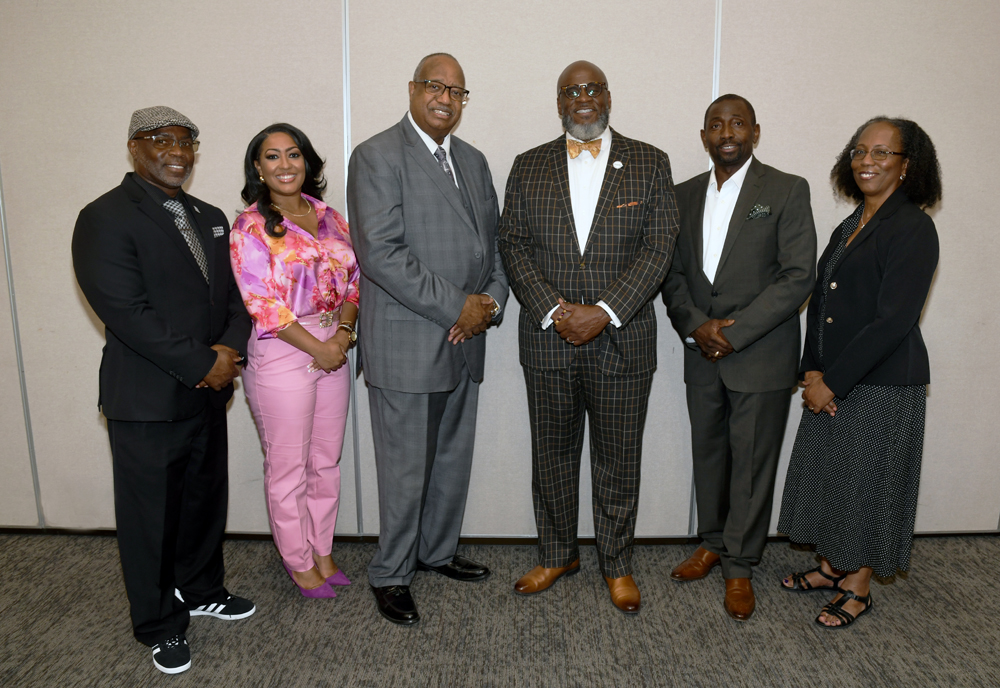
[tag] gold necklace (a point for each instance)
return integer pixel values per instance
(279, 208)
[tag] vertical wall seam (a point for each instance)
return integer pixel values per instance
(29, 435)
(716, 61)
(346, 78)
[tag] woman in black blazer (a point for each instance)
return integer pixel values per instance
(852, 482)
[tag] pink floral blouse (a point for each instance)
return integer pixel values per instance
(285, 278)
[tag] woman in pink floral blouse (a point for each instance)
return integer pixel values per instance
(295, 266)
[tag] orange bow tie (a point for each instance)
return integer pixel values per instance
(577, 147)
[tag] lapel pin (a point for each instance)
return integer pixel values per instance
(195, 208)
(617, 164)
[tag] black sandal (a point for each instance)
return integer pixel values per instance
(836, 609)
(800, 584)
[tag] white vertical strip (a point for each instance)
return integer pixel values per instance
(20, 358)
(346, 97)
(716, 60)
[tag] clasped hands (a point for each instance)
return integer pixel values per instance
(330, 355)
(711, 340)
(225, 369)
(817, 396)
(578, 323)
(477, 313)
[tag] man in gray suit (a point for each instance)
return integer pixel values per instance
(745, 262)
(424, 215)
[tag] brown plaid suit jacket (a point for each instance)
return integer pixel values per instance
(626, 259)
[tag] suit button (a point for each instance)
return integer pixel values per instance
(714, 294)
(829, 320)
(478, 254)
(833, 285)
(581, 265)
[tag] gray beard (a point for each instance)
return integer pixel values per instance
(586, 132)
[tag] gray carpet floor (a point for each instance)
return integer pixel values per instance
(64, 622)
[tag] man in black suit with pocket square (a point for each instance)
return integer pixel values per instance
(153, 263)
(745, 263)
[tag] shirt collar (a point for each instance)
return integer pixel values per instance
(736, 179)
(431, 144)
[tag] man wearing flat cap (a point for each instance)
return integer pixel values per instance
(153, 263)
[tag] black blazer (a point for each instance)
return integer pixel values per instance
(160, 317)
(871, 335)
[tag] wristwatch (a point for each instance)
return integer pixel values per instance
(496, 309)
(352, 336)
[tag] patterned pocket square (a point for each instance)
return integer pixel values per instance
(218, 231)
(759, 211)
(628, 205)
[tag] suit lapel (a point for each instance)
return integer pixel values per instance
(559, 172)
(753, 184)
(204, 230)
(697, 220)
(426, 161)
(612, 180)
(888, 208)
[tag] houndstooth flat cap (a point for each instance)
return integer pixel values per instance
(158, 116)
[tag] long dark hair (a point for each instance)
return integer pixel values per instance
(923, 172)
(256, 191)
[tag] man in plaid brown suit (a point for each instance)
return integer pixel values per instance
(586, 236)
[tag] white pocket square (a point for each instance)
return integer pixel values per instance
(218, 231)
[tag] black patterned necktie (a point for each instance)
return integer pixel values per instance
(187, 231)
(442, 159)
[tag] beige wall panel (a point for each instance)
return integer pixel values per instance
(17, 494)
(71, 73)
(813, 80)
(658, 59)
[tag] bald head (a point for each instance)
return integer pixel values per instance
(580, 65)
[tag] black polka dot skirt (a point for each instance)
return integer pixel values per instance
(852, 482)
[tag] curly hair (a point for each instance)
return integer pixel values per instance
(256, 191)
(923, 173)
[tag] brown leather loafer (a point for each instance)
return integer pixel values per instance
(540, 579)
(740, 601)
(696, 566)
(624, 593)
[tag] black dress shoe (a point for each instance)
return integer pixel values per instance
(459, 568)
(395, 604)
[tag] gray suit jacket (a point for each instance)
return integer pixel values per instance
(767, 270)
(421, 253)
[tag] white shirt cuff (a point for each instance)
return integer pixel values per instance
(611, 313)
(547, 320)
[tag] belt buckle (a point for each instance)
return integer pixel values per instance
(328, 319)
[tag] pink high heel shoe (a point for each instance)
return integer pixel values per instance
(339, 578)
(322, 592)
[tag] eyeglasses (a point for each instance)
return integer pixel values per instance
(574, 91)
(436, 88)
(878, 154)
(163, 142)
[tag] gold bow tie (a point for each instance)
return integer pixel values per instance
(576, 147)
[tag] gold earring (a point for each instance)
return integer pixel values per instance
(261, 177)
(902, 176)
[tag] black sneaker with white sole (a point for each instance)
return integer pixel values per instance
(172, 656)
(229, 608)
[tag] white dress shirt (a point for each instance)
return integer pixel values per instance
(719, 206)
(432, 146)
(586, 177)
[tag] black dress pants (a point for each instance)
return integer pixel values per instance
(171, 498)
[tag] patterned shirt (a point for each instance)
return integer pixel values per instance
(285, 278)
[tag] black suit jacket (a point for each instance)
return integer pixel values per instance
(871, 335)
(626, 258)
(765, 274)
(160, 316)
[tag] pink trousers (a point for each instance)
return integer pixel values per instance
(300, 417)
